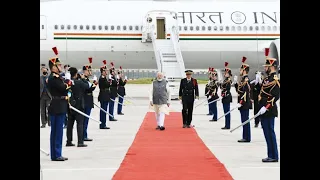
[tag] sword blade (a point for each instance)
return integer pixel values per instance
(227, 113)
(44, 152)
(116, 102)
(246, 122)
(200, 103)
(83, 114)
(212, 101)
(102, 110)
(124, 99)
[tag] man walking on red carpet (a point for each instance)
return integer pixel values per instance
(160, 98)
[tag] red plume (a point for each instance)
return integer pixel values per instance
(112, 64)
(104, 62)
(244, 59)
(120, 67)
(209, 69)
(212, 69)
(90, 59)
(226, 64)
(55, 50)
(266, 51)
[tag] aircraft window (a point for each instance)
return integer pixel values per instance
(203, 28)
(62, 27)
(81, 27)
(118, 28)
(233, 28)
(68, 27)
(262, 28)
(55, 27)
(87, 27)
(100, 27)
(239, 28)
(185, 28)
(245, 28)
(250, 28)
(124, 28)
(75, 27)
(93, 27)
(269, 28)
(112, 28)
(197, 28)
(221, 28)
(257, 28)
(106, 28)
(42, 26)
(215, 28)
(227, 28)
(191, 28)
(130, 28)
(274, 28)
(209, 28)
(136, 28)
(179, 28)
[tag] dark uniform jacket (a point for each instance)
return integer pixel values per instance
(104, 86)
(243, 90)
(269, 94)
(121, 88)
(88, 97)
(58, 91)
(188, 90)
(255, 91)
(78, 92)
(225, 90)
(114, 87)
(213, 90)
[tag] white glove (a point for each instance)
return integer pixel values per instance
(262, 110)
(95, 78)
(238, 105)
(195, 100)
(235, 78)
(125, 78)
(117, 76)
(253, 81)
(209, 97)
(89, 84)
(67, 76)
(110, 77)
(69, 94)
(72, 82)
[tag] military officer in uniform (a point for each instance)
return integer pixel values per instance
(88, 99)
(244, 100)
(206, 90)
(113, 91)
(80, 85)
(256, 86)
(213, 94)
(121, 90)
(269, 95)
(104, 94)
(188, 93)
(58, 107)
(226, 94)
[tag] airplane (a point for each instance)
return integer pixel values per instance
(210, 33)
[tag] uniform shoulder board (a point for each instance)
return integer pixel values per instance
(275, 77)
(246, 79)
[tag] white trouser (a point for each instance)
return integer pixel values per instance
(160, 118)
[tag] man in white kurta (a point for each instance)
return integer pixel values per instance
(160, 98)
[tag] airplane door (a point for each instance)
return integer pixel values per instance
(43, 27)
(161, 30)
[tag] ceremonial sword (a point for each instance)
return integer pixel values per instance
(123, 98)
(83, 114)
(117, 102)
(213, 101)
(44, 152)
(103, 110)
(246, 122)
(227, 113)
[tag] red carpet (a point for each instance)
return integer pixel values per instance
(172, 154)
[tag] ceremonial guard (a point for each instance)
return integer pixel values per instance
(121, 90)
(45, 98)
(58, 107)
(113, 91)
(269, 95)
(88, 98)
(226, 94)
(77, 91)
(160, 97)
(104, 94)
(256, 86)
(244, 100)
(213, 94)
(188, 93)
(206, 90)
(66, 75)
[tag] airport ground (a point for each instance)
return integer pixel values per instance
(103, 156)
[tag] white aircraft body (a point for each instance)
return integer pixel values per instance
(210, 32)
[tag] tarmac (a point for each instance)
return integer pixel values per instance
(103, 156)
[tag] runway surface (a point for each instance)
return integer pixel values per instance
(103, 156)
